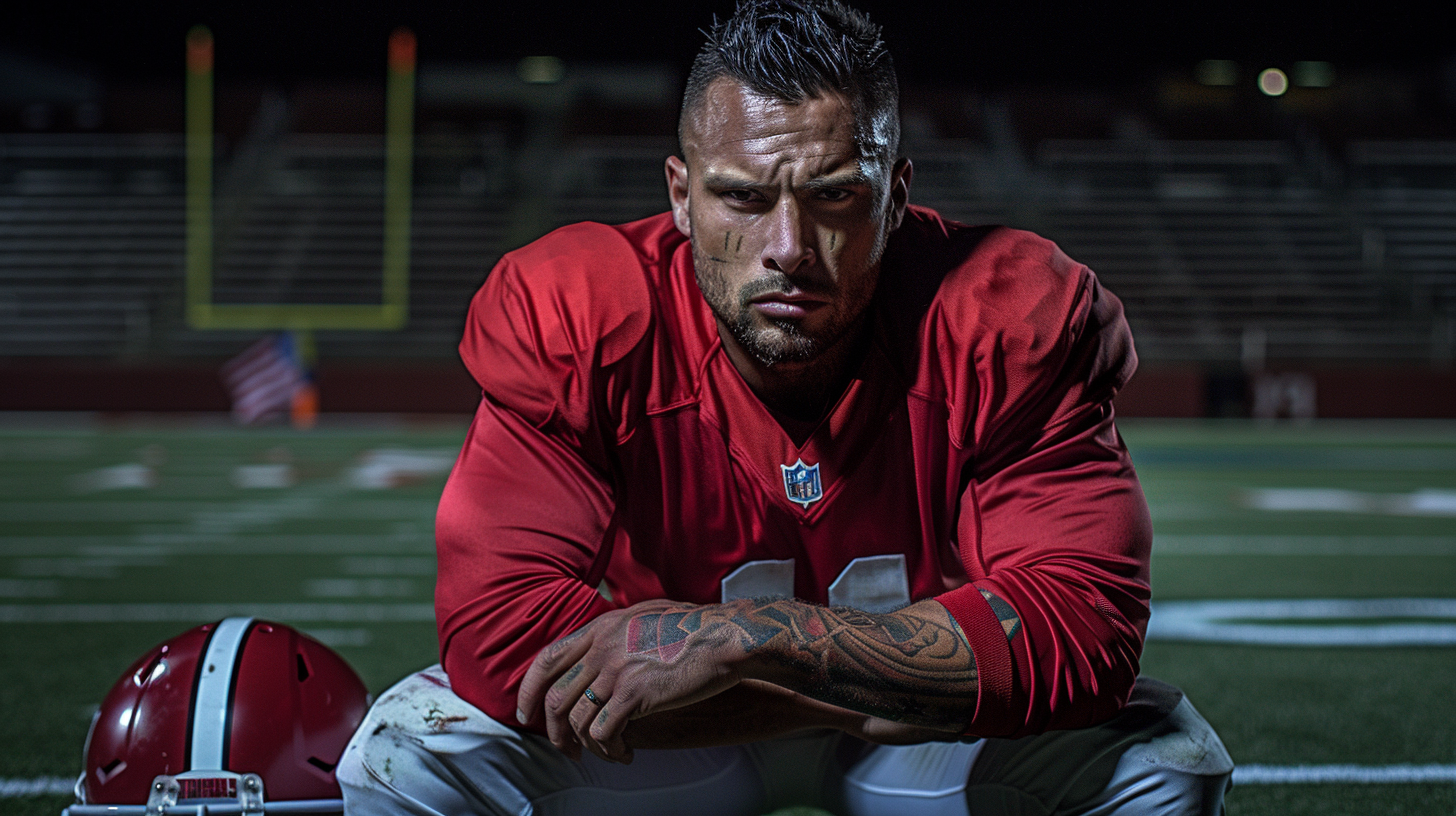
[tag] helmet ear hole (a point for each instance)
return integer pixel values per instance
(151, 669)
(326, 767)
(302, 667)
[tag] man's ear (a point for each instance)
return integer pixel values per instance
(900, 178)
(677, 193)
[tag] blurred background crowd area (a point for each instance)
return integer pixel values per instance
(1271, 191)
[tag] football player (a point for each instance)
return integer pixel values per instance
(796, 494)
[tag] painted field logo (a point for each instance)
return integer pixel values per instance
(801, 483)
(1308, 621)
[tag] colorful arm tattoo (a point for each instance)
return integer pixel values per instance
(1010, 621)
(907, 668)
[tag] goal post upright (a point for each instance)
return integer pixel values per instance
(392, 312)
(198, 145)
(398, 175)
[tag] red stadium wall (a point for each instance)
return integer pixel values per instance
(392, 387)
(343, 388)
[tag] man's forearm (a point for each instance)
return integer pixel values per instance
(903, 676)
(910, 666)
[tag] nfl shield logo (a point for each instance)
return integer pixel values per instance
(801, 483)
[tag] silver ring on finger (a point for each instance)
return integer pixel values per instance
(592, 697)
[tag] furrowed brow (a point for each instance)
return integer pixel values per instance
(722, 181)
(855, 178)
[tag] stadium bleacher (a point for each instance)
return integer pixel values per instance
(1319, 257)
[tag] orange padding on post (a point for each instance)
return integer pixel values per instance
(402, 50)
(199, 50)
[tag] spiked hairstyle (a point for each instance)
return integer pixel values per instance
(796, 49)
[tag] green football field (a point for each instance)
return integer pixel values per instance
(1329, 667)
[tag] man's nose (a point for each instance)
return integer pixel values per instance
(789, 247)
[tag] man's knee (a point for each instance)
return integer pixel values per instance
(404, 757)
(374, 770)
(1178, 737)
(1180, 764)
(1159, 755)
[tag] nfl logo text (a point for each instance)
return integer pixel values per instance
(801, 483)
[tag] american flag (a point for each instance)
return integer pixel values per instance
(265, 378)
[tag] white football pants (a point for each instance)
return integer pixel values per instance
(423, 750)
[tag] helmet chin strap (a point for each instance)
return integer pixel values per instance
(210, 709)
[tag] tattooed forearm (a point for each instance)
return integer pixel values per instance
(913, 668)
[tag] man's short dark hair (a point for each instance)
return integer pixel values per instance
(796, 49)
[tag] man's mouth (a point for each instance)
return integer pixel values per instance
(787, 305)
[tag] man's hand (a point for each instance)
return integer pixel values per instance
(910, 671)
(651, 657)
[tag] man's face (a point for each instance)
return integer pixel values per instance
(787, 219)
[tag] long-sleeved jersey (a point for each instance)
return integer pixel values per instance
(616, 448)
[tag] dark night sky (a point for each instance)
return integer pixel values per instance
(1030, 40)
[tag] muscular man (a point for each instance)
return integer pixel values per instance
(796, 494)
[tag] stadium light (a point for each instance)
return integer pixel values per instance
(541, 70)
(1273, 82)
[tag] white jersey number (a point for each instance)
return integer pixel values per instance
(875, 583)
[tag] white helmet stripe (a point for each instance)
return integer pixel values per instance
(214, 683)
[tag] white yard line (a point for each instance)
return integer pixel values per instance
(191, 542)
(1303, 545)
(337, 503)
(418, 537)
(191, 612)
(11, 788)
(1342, 774)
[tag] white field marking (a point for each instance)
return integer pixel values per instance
(14, 788)
(1243, 775)
(359, 587)
(165, 612)
(70, 567)
(407, 533)
(244, 515)
(44, 449)
(1429, 502)
(345, 507)
(1342, 774)
(1240, 622)
(341, 637)
(389, 565)
(131, 476)
(29, 588)
(270, 476)
(1303, 545)
(394, 467)
(129, 549)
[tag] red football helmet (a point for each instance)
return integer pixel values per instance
(217, 717)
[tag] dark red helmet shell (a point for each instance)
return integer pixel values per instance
(291, 704)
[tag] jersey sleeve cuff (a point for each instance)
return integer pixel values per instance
(994, 669)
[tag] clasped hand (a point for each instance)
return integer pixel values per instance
(651, 657)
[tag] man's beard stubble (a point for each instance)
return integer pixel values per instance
(787, 345)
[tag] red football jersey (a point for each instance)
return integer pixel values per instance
(616, 446)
